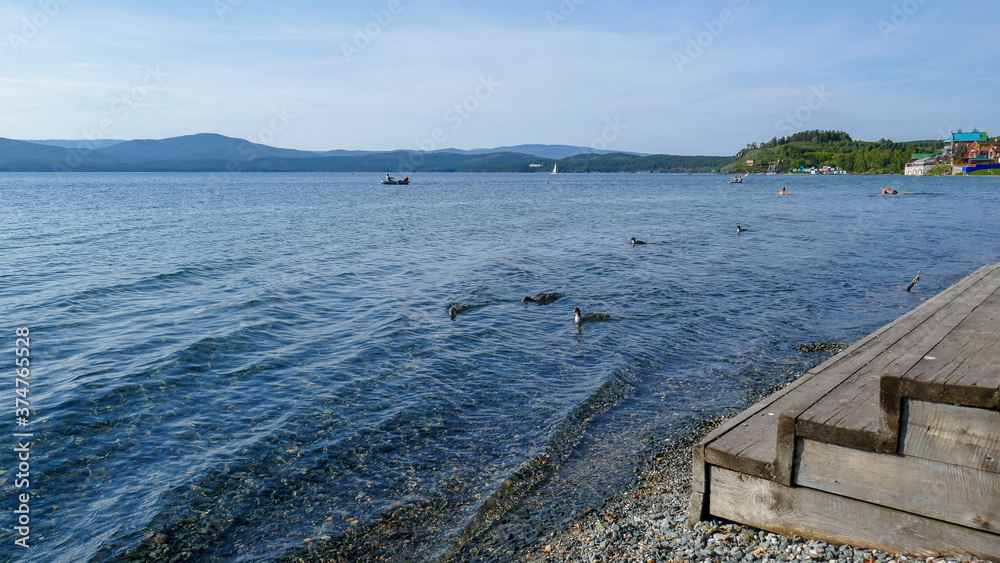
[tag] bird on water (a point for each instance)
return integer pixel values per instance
(579, 317)
(541, 298)
(456, 309)
(635, 242)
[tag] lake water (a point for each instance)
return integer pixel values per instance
(256, 367)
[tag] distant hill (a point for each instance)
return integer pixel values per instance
(209, 152)
(195, 147)
(342, 152)
(23, 156)
(11, 150)
(207, 143)
(542, 151)
(95, 144)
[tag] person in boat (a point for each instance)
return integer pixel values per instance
(406, 179)
(887, 191)
(388, 178)
(783, 191)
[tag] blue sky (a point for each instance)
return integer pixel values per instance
(684, 77)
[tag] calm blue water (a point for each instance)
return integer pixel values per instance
(251, 367)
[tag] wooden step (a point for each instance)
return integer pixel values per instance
(961, 436)
(852, 413)
(892, 444)
(837, 520)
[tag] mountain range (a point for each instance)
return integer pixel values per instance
(208, 152)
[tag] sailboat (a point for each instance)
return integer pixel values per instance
(555, 168)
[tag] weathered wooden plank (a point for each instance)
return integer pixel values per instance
(698, 509)
(964, 436)
(757, 446)
(800, 511)
(963, 369)
(748, 448)
(956, 494)
(746, 442)
(749, 445)
(850, 359)
(743, 443)
(895, 386)
(860, 413)
(759, 406)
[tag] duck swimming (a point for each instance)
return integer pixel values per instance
(579, 318)
(635, 242)
(456, 309)
(541, 298)
(739, 229)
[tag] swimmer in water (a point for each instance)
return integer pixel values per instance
(783, 191)
(887, 191)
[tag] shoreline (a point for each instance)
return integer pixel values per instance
(647, 519)
(648, 522)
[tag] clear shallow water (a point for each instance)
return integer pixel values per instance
(235, 366)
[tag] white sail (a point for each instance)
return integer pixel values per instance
(555, 168)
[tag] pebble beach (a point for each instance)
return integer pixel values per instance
(648, 523)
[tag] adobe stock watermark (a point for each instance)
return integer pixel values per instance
(793, 122)
(455, 117)
(225, 7)
(945, 133)
(121, 109)
(363, 36)
(32, 26)
(714, 29)
(249, 150)
(609, 134)
(565, 9)
(901, 14)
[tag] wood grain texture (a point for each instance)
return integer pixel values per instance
(812, 514)
(698, 509)
(963, 369)
(834, 434)
(969, 437)
(956, 494)
(852, 414)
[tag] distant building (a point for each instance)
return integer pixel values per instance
(983, 152)
(830, 170)
(920, 166)
(962, 150)
(977, 155)
(956, 146)
(750, 162)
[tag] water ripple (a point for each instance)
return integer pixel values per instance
(266, 368)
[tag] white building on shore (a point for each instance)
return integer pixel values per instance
(920, 166)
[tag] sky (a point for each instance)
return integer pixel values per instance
(683, 77)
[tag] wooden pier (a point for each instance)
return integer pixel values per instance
(893, 444)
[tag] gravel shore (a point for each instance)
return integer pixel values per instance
(648, 523)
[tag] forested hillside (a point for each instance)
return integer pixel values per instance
(830, 148)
